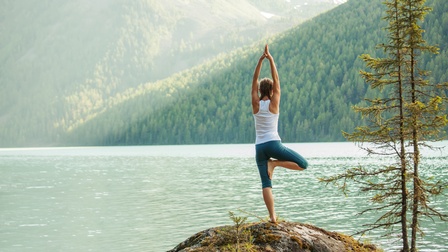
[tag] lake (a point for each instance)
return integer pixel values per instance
(150, 198)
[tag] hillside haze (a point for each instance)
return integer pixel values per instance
(318, 64)
(170, 73)
(64, 62)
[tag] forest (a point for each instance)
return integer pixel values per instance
(63, 63)
(318, 63)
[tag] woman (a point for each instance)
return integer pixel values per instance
(270, 152)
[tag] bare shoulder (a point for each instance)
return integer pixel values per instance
(255, 106)
(274, 106)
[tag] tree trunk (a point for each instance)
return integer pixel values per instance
(404, 196)
(415, 178)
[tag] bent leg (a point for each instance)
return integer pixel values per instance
(287, 158)
(285, 164)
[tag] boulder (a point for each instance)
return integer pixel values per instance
(265, 236)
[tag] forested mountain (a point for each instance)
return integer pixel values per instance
(319, 70)
(209, 103)
(64, 62)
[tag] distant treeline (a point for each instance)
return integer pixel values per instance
(318, 64)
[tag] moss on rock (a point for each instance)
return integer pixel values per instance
(265, 236)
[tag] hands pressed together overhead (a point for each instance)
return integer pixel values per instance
(266, 53)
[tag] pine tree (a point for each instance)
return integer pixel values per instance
(409, 113)
(425, 110)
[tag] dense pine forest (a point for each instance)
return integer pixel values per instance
(319, 70)
(318, 63)
(63, 63)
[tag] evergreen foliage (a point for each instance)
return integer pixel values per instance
(63, 63)
(409, 112)
(318, 66)
(317, 61)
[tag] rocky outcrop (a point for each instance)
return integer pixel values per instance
(265, 236)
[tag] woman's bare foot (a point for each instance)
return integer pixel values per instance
(271, 167)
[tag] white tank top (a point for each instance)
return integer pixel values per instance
(266, 124)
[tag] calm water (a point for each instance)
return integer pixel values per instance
(150, 198)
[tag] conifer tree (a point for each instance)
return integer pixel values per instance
(409, 113)
(425, 110)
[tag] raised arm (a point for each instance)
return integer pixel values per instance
(275, 99)
(254, 92)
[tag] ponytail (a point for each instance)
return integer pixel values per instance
(265, 88)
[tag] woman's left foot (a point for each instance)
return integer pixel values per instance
(271, 167)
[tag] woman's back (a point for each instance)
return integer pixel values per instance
(266, 123)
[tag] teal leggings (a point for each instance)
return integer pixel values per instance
(275, 149)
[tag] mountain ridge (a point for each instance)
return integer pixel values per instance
(186, 108)
(218, 109)
(62, 61)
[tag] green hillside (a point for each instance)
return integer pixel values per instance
(109, 72)
(318, 66)
(64, 62)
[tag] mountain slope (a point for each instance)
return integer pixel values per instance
(318, 65)
(64, 62)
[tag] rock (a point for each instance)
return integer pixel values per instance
(264, 236)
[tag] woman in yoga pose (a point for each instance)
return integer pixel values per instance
(270, 152)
